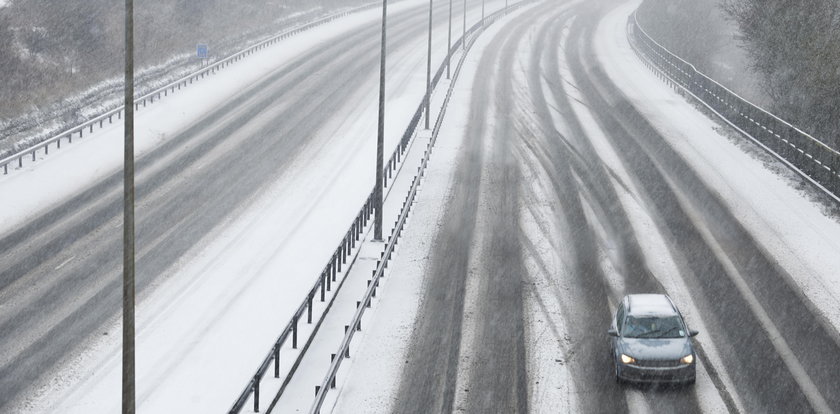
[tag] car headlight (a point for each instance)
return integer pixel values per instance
(688, 359)
(627, 359)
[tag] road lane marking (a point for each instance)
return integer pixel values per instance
(797, 371)
(70, 259)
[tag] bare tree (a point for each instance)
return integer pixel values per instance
(795, 46)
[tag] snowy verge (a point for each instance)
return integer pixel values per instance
(31, 132)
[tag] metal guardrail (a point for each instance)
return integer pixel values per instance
(157, 94)
(356, 323)
(322, 285)
(810, 157)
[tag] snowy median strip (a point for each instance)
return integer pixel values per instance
(365, 264)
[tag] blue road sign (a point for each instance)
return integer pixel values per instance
(201, 51)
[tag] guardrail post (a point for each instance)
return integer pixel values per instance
(294, 331)
(827, 175)
(256, 393)
(323, 285)
(346, 351)
(47, 149)
(784, 148)
(337, 258)
(276, 360)
(326, 276)
(332, 382)
(309, 310)
(366, 215)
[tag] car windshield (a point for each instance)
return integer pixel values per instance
(653, 327)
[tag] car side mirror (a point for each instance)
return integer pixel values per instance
(692, 333)
(612, 332)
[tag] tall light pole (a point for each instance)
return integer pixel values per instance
(128, 390)
(482, 12)
(464, 34)
(429, 67)
(380, 136)
(449, 42)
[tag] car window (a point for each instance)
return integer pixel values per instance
(653, 327)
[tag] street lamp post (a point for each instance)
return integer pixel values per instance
(482, 12)
(464, 34)
(429, 66)
(128, 389)
(380, 136)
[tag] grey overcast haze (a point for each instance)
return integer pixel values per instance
(547, 170)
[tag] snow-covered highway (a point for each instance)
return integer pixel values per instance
(565, 176)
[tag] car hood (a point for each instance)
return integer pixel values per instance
(655, 348)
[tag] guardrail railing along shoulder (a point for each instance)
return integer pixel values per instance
(810, 157)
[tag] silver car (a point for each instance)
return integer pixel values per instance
(650, 342)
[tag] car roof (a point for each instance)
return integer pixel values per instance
(650, 305)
